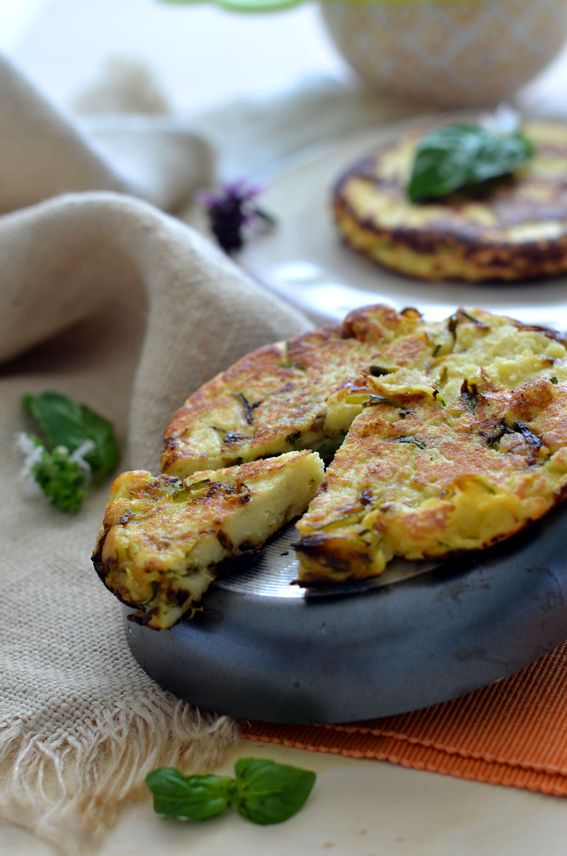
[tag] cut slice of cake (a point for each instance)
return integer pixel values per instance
(162, 538)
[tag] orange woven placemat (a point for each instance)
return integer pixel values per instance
(513, 732)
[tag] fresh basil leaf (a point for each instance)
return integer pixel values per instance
(461, 155)
(59, 418)
(195, 797)
(104, 457)
(63, 422)
(267, 793)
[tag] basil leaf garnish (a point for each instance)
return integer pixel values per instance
(195, 797)
(59, 418)
(267, 793)
(262, 792)
(63, 422)
(104, 456)
(462, 155)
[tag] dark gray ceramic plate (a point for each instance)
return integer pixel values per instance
(265, 650)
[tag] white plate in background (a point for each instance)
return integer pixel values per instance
(303, 260)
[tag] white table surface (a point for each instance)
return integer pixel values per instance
(357, 808)
(204, 57)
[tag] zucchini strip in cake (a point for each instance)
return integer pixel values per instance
(162, 538)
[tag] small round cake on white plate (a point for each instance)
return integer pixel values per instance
(510, 228)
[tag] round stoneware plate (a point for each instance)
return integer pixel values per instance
(264, 649)
(304, 261)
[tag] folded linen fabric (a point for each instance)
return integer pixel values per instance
(44, 153)
(106, 299)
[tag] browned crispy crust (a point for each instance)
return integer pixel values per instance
(274, 371)
(435, 470)
(274, 399)
(467, 450)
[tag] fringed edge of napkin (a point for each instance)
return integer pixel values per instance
(68, 787)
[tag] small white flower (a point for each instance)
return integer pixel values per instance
(32, 452)
(78, 456)
(504, 120)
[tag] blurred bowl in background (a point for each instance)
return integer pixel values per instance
(450, 53)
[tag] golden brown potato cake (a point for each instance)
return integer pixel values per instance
(456, 437)
(454, 456)
(506, 229)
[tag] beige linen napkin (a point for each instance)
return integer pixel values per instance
(106, 299)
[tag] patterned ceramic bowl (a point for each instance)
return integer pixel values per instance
(452, 53)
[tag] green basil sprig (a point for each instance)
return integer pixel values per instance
(77, 446)
(63, 422)
(461, 155)
(262, 792)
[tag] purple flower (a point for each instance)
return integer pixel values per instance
(232, 212)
